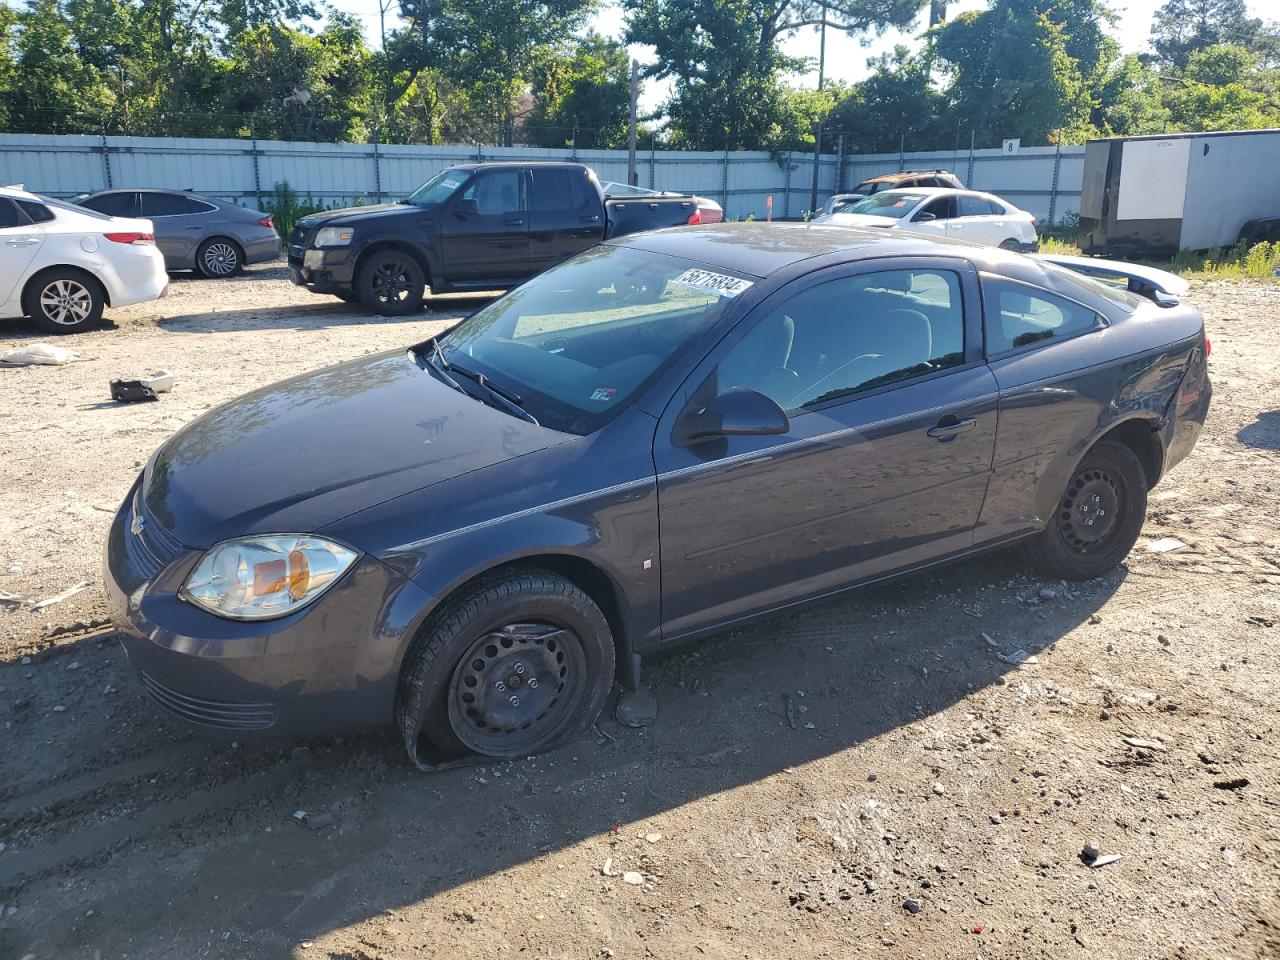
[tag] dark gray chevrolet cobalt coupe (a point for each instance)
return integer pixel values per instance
(474, 537)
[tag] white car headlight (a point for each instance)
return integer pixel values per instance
(256, 578)
(334, 236)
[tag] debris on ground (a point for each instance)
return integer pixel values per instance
(1165, 545)
(131, 391)
(1018, 657)
(1139, 744)
(637, 708)
(633, 877)
(1233, 783)
(59, 597)
(38, 354)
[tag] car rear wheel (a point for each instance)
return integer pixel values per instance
(1098, 518)
(390, 283)
(64, 300)
(1010, 244)
(518, 664)
(219, 258)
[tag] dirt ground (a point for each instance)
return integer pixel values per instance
(871, 776)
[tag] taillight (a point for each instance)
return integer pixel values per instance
(132, 238)
(695, 217)
(266, 222)
(1208, 348)
(1033, 223)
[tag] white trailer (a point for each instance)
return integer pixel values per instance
(1153, 196)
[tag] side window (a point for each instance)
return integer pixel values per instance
(552, 191)
(9, 215)
(943, 208)
(496, 192)
(164, 205)
(122, 204)
(971, 206)
(1025, 315)
(36, 212)
(849, 335)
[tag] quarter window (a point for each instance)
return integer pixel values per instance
(36, 212)
(851, 335)
(170, 205)
(1026, 315)
(558, 190)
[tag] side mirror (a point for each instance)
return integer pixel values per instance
(466, 207)
(924, 216)
(737, 412)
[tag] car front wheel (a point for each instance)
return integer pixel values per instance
(518, 664)
(1098, 518)
(64, 301)
(391, 283)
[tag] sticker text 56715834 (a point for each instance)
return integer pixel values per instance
(720, 284)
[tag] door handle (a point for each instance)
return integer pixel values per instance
(194, 227)
(592, 219)
(950, 427)
(24, 241)
(513, 222)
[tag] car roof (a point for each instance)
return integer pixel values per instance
(761, 249)
(903, 174)
(18, 192)
(170, 190)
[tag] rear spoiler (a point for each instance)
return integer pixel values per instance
(1161, 286)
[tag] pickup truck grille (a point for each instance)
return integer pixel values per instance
(299, 237)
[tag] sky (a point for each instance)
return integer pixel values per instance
(846, 56)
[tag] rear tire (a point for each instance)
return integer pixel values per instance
(218, 258)
(1098, 518)
(515, 666)
(1011, 244)
(64, 300)
(390, 283)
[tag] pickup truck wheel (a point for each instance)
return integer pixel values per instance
(516, 665)
(390, 283)
(1098, 518)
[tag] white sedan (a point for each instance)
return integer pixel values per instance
(943, 212)
(61, 265)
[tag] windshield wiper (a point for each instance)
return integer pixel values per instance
(440, 365)
(508, 400)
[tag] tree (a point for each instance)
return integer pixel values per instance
(1181, 27)
(1217, 91)
(896, 105)
(1013, 74)
(54, 87)
(585, 90)
(1127, 101)
(8, 68)
(725, 61)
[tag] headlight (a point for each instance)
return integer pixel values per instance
(256, 578)
(334, 236)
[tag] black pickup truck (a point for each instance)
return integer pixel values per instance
(481, 226)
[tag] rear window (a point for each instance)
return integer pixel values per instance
(559, 190)
(1117, 290)
(1026, 315)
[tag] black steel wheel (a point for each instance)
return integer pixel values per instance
(514, 665)
(1098, 518)
(219, 258)
(514, 683)
(390, 283)
(1010, 244)
(64, 300)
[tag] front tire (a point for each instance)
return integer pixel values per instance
(218, 258)
(390, 283)
(1098, 518)
(517, 665)
(64, 300)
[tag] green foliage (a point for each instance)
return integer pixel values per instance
(1181, 27)
(1238, 262)
(583, 89)
(287, 208)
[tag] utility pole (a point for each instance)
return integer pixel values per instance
(632, 178)
(817, 137)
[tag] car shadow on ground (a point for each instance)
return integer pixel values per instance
(325, 312)
(1263, 433)
(746, 705)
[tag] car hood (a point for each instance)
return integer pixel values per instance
(338, 218)
(300, 454)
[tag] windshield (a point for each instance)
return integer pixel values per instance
(887, 204)
(577, 343)
(439, 188)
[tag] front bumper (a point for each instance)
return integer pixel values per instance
(332, 665)
(322, 270)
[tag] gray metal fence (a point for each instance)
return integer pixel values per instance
(1044, 180)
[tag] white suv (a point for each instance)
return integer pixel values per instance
(941, 212)
(61, 265)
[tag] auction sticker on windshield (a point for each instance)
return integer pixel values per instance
(718, 283)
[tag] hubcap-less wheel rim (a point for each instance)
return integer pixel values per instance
(391, 282)
(1089, 517)
(66, 302)
(220, 259)
(515, 687)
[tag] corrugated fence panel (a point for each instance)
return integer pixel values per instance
(338, 174)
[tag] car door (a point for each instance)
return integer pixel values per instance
(20, 239)
(933, 217)
(485, 229)
(180, 224)
(973, 220)
(885, 461)
(563, 220)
